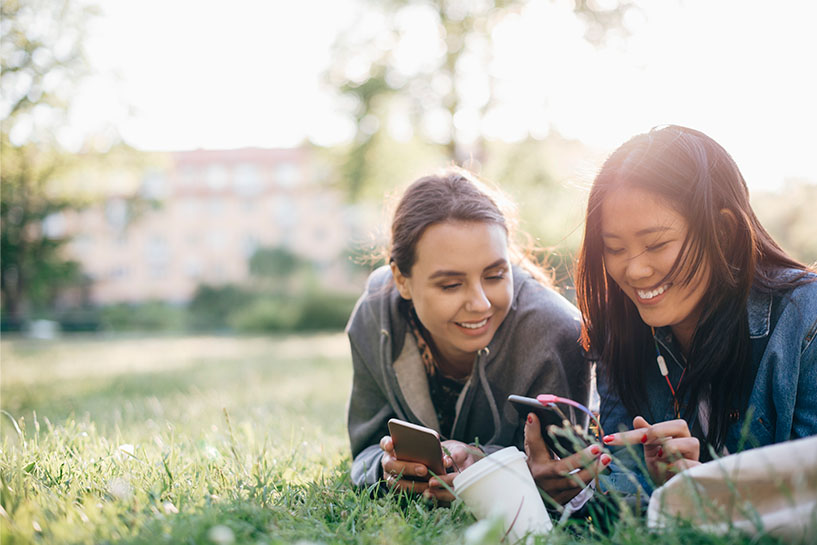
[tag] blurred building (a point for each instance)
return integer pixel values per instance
(211, 211)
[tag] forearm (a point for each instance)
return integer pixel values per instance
(366, 469)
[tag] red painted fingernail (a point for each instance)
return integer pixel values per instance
(605, 459)
(644, 439)
(608, 439)
(530, 419)
(595, 449)
(660, 452)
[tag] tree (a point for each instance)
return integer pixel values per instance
(449, 91)
(42, 60)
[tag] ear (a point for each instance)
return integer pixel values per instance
(728, 225)
(400, 281)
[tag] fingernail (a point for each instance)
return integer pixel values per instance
(644, 439)
(595, 449)
(420, 470)
(530, 419)
(608, 439)
(660, 452)
(605, 459)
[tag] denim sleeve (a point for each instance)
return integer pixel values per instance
(627, 475)
(804, 421)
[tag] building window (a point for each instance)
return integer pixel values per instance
(247, 180)
(192, 268)
(287, 174)
(116, 212)
(153, 186)
(215, 206)
(188, 175)
(249, 245)
(216, 240)
(217, 176)
(157, 250)
(285, 213)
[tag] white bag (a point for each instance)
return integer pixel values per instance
(771, 489)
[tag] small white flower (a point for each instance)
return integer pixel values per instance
(221, 535)
(169, 508)
(126, 451)
(485, 531)
(120, 489)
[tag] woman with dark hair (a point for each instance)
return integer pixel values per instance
(452, 326)
(703, 326)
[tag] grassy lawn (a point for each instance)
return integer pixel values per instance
(214, 440)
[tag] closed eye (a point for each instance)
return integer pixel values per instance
(450, 287)
(613, 251)
(658, 246)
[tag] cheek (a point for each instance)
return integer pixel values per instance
(613, 268)
(434, 309)
(501, 296)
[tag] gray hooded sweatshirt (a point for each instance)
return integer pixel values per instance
(536, 350)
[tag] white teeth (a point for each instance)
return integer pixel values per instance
(474, 325)
(649, 294)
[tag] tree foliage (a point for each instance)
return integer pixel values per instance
(42, 60)
(450, 81)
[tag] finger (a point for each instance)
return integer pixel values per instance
(457, 450)
(397, 468)
(583, 458)
(683, 447)
(640, 422)
(442, 481)
(386, 444)
(631, 437)
(439, 494)
(535, 447)
(580, 478)
(682, 465)
(668, 429)
(406, 485)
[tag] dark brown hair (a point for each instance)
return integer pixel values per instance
(453, 195)
(695, 176)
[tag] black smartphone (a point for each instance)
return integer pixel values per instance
(415, 443)
(559, 434)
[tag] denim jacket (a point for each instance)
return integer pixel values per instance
(782, 403)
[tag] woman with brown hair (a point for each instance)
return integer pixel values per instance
(452, 326)
(703, 326)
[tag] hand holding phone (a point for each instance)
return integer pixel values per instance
(420, 455)
(557, 431)
(418, 444)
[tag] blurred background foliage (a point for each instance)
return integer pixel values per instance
(446, 98)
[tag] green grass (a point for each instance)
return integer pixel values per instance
(210, 440)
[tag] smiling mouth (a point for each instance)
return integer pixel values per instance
(473, 325)
(651, 294)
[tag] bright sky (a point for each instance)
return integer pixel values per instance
(183, 74)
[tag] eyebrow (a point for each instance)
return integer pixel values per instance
(437, 274)
(642, 232)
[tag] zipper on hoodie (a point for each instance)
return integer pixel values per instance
(467, 389)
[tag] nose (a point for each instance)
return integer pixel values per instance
(477, 300)
(638, 268)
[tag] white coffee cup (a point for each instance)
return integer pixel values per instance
(501, 485)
